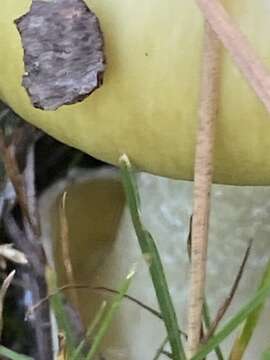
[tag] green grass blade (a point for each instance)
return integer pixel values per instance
(232, 324)
(207, 322)
(150, 252)
(12, 354)
(77, 355)
(266, 354)
(108, 316)
(63, 321)
(241, 343)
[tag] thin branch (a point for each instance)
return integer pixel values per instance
(24, 240)
(140, 303)
(4, 113)
(167, 353)
(132, 299)
(189, 246)
(30, 190)
(189, 237)
(8, 252)
(88, 287)
(205, 310)
(13, 172)
(4, 288)
(227, 302)
(64, 234)
(202, 184)
(160, 349)
(97, 288)
(18, 157)
(207, 323)
(14, 232)
(15, 282)
(238, 46)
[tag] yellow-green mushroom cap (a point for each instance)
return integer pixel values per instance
(147, 106)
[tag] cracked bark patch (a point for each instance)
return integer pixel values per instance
(63, 52)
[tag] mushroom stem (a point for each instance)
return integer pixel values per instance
(202, 184)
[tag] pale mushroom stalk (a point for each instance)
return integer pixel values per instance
(203, 173)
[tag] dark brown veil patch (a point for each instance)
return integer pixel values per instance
(63, 52)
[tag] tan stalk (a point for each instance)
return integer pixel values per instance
(3, 290)
(244, 56)
(202, 184)
(64, 233)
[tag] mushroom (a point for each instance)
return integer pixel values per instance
(147, 105)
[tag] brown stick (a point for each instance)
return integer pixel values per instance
(202, 185)
(228, 300)
(64, 234)
(19, 164)
(239, 48)
(12, 170)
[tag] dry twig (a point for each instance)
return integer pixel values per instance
(14, 174)
(8, 252)
(98, 288)
(238, 46)
(18, 156)
(3, 291)
(202, 185)
(259, 79)
(64, 233)
(227, 302)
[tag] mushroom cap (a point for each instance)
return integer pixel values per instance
(147, 106)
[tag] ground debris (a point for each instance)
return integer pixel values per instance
(63, 52)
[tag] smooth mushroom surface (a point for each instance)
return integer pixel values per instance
(147, 105)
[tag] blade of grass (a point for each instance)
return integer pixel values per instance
(108, 316)
(207, 322)
(133, 300)
(234, 322)
(139, 303)
(150, 252)
(57, 303)
(12, 354)
(77, 355)
(266, 354)
(241, 343)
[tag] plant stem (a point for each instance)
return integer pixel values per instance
(240, 49)
(241, 343)
(160, 349)
(247, 309)
(152, 257)
(65, 248)
(202, 184)
(227, 302)
(207, 323)
(105, 323)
